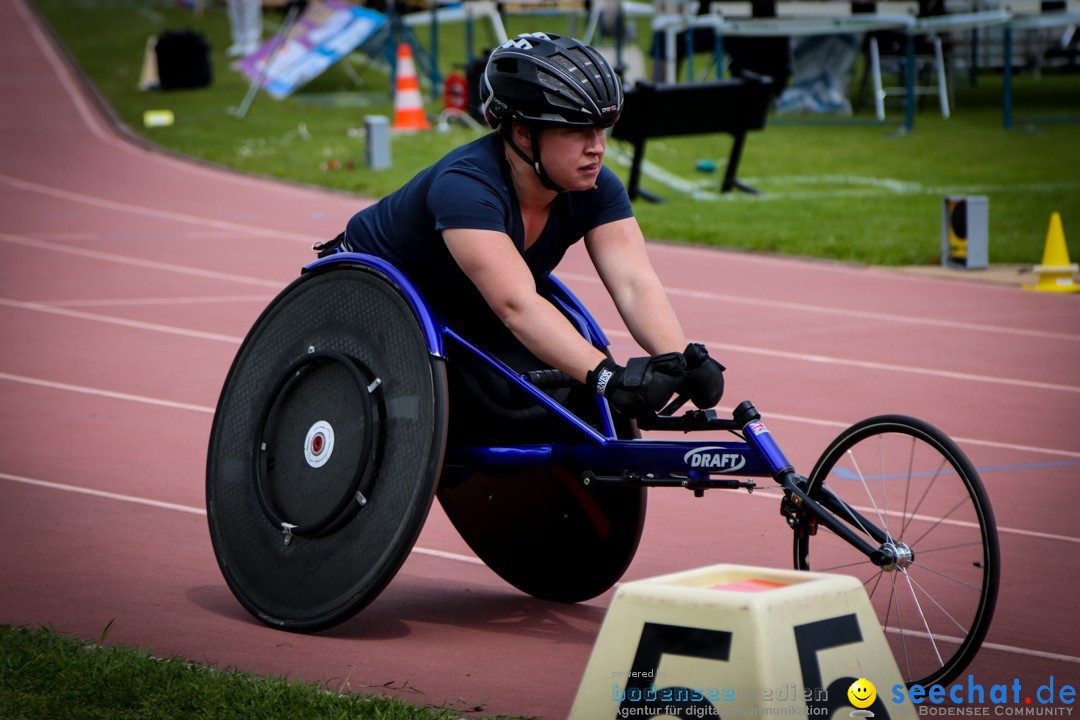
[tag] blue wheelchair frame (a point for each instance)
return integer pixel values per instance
(600, 456)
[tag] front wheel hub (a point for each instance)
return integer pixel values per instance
(895, 556)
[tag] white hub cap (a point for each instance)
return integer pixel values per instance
(319, 444)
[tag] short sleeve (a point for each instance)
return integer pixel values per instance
(459, 198)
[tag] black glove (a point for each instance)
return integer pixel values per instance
(642, 387)
(704, 379)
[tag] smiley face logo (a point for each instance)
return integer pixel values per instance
(862, 693)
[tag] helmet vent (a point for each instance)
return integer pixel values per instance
(506, 65)
(556, 84)
(559, 101)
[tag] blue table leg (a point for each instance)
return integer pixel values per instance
(909, 80)
(1006, 93)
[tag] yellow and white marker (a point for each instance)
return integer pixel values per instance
(733, 641)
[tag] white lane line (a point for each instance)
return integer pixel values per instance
(870, 511)
(157, 327)
(590, 279)
(151, 212)
(958, 440)
(772, 416)
(147, 301)
(472, 560)
(866, 365)
(139, 262)
(1012, 446)
(1057, 657)
(191, 510)
(846, 312)
(137, 324)
(1038, 535)
(83, 390)
(159, 234)
(207, 409)
(103, 494)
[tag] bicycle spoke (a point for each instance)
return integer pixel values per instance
(900, 623)
(930, 597)
(922, 616)
(882, 475)
(834, 568)
(905, 519)
(956, 580)
(941, 519)
(924, 550)
(869, 495)
(930, 486)
(877, 581)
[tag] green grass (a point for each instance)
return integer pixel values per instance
(47, 676)
(856, 192)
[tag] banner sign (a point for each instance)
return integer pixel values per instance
(327, 31)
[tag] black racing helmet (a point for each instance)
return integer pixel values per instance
(549, 80)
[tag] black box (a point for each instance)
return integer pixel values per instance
(183, 60)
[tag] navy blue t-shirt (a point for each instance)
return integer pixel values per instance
(471, 188)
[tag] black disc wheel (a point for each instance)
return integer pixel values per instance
(326, 449)
(905, 487)
(545, 531)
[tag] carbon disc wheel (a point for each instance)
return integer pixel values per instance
(326, 449)
(544, 531)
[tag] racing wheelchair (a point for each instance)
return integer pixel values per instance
(332, 437)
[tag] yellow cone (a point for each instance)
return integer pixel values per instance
(1056, 274)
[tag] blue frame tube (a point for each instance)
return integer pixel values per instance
(600, 453)
(759, 437)
(525, 386)
(609, 457)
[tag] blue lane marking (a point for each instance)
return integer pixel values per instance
(846, 474)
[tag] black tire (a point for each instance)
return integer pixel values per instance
(541, 529)
(907, 477)
(307, 534)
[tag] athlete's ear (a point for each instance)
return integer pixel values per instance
(522, 136)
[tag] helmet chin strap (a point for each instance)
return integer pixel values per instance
(545, 180)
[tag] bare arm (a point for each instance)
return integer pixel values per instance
(618, 251)
(499, 272)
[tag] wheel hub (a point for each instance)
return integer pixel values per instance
(898, 556)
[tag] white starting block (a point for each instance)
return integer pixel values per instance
(732, 641)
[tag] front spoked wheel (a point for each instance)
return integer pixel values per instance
(906, 487)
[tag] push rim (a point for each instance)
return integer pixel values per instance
(318, 446)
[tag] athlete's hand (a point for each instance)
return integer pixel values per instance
(643, 386)
(704, 378)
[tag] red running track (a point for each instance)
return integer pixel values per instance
(128, 277)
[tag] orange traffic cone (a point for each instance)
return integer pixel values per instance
(408, 108)
(1056, 274)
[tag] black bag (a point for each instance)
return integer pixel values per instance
(183, 60)
(473, 73)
